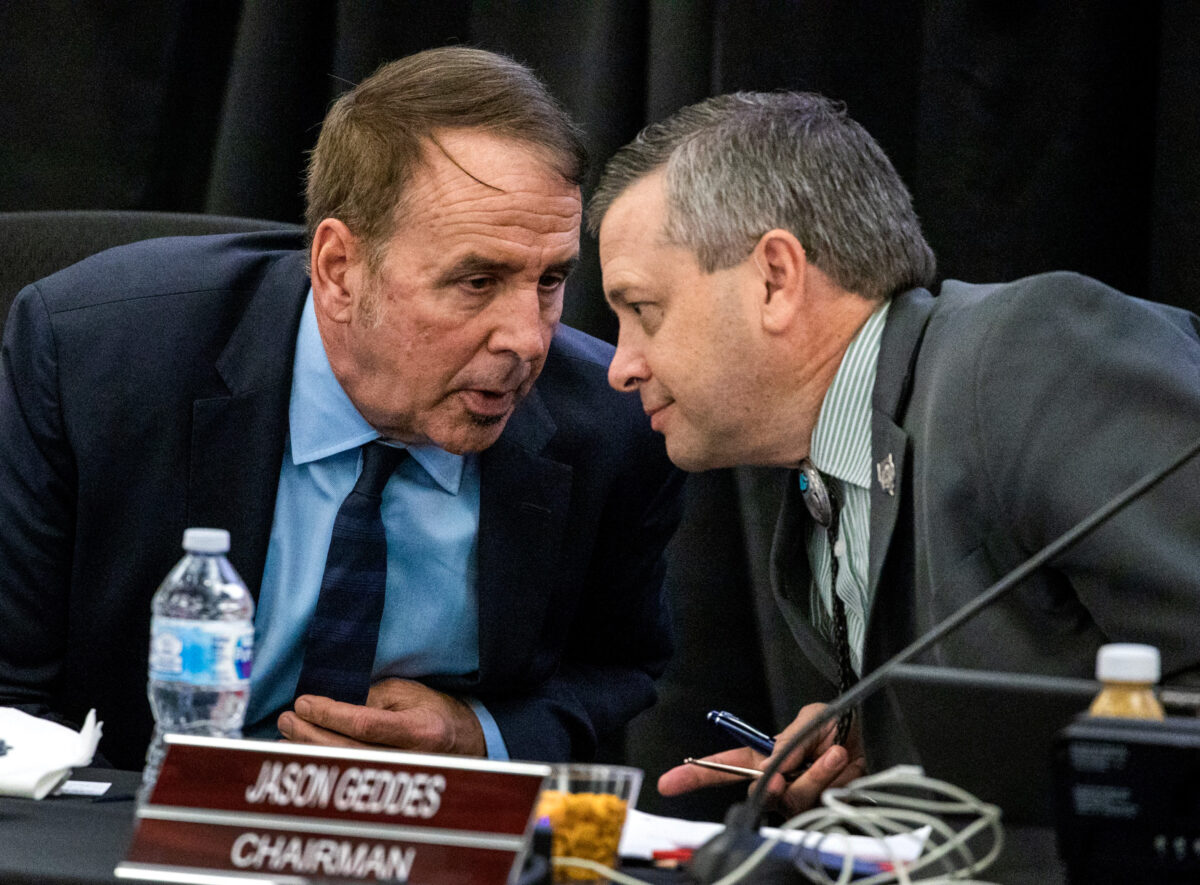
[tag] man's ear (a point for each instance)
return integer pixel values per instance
(781, 260)
(337, 265)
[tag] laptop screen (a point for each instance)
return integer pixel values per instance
(989, 733)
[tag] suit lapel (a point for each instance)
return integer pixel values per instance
(890, 449)
(238, 440)
(522, 513)
(790, 575)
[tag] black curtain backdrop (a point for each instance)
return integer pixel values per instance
(1034, 134)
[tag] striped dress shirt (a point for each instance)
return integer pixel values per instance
(841, 450)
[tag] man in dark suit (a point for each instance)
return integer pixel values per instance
(769, 276)
(232, 381)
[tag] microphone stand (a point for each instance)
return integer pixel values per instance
(723, 852)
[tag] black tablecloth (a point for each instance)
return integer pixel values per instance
(78, 840)
(68, 839)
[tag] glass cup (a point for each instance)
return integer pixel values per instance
(586, 806)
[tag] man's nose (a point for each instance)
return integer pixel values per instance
(521, 324)
(628, 369)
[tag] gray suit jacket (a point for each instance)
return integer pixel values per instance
(1008, 414)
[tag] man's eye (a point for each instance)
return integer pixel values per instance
(552, 281)
(478, 284)
(649, 314)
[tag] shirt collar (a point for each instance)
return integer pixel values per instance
(323, 421)
(841, 441)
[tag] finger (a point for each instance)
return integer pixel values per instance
(419, 727)
(299, 731)
(805, 791)
(856, 768)
(685, 778)
(324, 711)
(812, 746)
(355, 721)
(395, 693)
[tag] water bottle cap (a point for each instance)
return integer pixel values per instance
(206, 540)
(1128, 662)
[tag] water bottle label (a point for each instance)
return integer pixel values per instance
(201, 652)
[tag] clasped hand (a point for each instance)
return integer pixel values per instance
(832, 766)
(399, 714)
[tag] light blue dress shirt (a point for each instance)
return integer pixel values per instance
(430, 510)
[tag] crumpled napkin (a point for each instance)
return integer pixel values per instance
(36, 755)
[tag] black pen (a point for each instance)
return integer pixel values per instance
(745, 734)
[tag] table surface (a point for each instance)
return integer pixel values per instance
(78, 840)
(68, 839)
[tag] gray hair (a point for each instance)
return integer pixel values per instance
(742, 164)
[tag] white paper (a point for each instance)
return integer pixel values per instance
(646, 833)
(39, 754)
(83, 788)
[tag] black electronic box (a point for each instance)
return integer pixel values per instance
(1127, 800)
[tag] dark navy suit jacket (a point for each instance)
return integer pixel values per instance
(146, 389)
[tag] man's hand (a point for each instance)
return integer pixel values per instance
(832, 765)
(399, 713)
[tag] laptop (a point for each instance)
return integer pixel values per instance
(988, 732)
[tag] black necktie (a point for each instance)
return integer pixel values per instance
(339, 646)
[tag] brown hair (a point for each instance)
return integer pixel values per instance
(374, 137)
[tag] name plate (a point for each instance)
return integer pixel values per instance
(240, 810)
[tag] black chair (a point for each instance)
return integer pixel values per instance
(35, 244)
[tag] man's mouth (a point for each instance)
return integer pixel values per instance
(489, 403)
(656, 414)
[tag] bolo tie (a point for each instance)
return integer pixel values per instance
(824, 507)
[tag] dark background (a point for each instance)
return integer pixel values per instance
(1062, 134)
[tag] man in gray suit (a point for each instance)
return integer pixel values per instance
(769, 275)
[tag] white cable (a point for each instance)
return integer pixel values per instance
(897, 812)
(892, 812)
(887, 812)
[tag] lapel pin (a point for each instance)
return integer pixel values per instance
(886, 471)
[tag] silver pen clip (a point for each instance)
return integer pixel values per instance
(721, 766)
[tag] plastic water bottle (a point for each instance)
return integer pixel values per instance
(201, 647)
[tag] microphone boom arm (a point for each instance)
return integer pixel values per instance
(872, 681)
